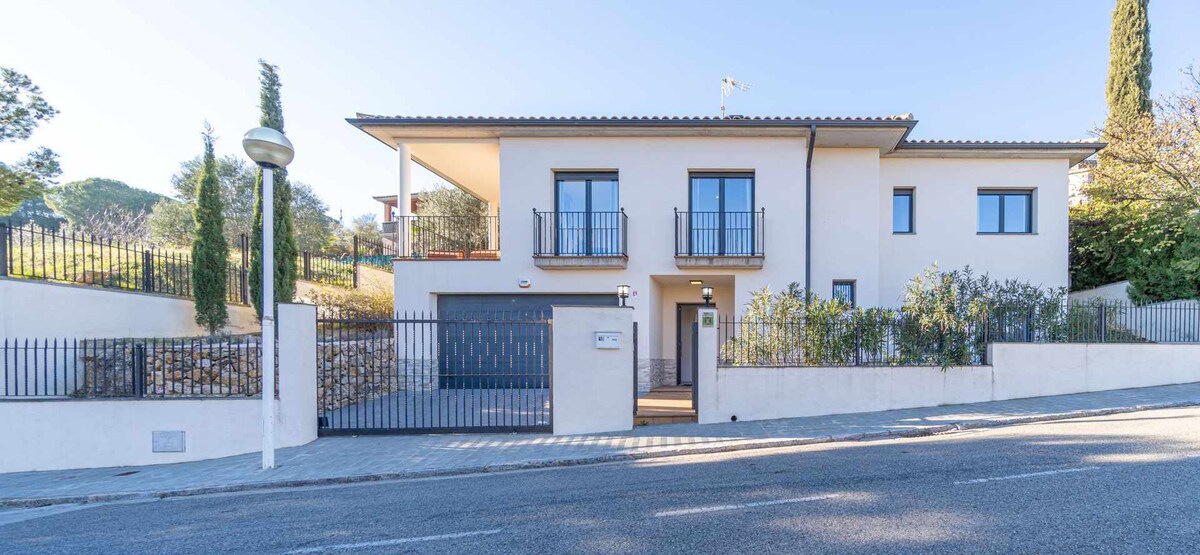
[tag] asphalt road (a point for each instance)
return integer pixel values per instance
(1118, 484)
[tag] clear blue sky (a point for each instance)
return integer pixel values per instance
(136, 80)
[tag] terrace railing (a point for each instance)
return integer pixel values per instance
(449, 237)
(720, 233)
(580, 233)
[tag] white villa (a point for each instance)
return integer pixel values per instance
(670, 205)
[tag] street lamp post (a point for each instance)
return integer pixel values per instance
(269, 149)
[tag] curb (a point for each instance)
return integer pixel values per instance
(747, 445)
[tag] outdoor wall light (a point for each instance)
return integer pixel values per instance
(623, 293)
(270, 150)
(706, 292)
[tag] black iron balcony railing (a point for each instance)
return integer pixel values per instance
(719, 233)
(580, 233)
(448, 237)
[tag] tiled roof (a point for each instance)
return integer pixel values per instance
(503, 119)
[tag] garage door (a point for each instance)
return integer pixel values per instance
(470, 358)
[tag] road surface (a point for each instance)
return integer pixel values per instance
(1126, 483)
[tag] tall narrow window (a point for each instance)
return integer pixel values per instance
(843, 290)
(721, 214)
(1005, 212)
(587, 214)
(902, 211)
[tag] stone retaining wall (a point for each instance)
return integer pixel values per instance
(350, 372)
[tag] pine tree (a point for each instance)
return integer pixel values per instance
(1128, 90)
(286, 250)
(210, 252)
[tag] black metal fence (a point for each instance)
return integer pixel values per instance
(377, 254)
(131, 368)
(720, 233)
(580, 233)
(421, 373)
(893, 338)
(37, 253)
(449, 237)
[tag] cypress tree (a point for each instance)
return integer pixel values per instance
(1128, 89)
(286, 251)
(210, 252)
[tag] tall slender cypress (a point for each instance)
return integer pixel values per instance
(286, 251)
(1128, 89)
(210, 252)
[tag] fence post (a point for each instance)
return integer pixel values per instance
(858, 343)
(354, 269)
(4, 237)
(307, 266)
(139, 370)
(147, 271)
(1103, 321)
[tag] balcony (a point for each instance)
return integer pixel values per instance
(448, 237)
(572, 240)
(719, 239)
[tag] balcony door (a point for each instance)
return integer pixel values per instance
(587, 214)
(721, 214)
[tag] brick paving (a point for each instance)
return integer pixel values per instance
(346, 459)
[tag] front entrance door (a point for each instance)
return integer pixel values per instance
(685, 359)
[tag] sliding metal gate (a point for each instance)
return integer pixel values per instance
(431, 375)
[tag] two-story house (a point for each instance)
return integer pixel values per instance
(672, 206)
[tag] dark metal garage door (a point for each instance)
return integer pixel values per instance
(471, 358)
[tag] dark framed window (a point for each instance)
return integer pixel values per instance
(587, 208)
(721, 213)
(903, 211)
(843, 289)
(1005, 212)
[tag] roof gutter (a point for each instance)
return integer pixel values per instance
(812, 140)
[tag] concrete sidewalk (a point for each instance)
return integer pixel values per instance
(352, 459)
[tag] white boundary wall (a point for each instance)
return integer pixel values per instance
(60, 434)
(591, 388)
(1017, 371)
(40, 309)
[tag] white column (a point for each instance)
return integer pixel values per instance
(404, 198)
(705, 380)
(268, 320)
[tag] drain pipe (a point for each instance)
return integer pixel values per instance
(812, 139)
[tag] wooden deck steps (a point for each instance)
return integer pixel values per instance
(665, 405)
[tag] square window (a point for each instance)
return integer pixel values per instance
(1005, 212)
(843, 290)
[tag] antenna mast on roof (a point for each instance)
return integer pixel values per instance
(728, 84)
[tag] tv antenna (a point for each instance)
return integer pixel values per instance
(728, 84)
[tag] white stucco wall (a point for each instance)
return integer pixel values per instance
(845, 234)
(39, 309)
(947, 219)
(60, 434)
(592, 388)
(653, 175)
(1017, 371)
(852, 215)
